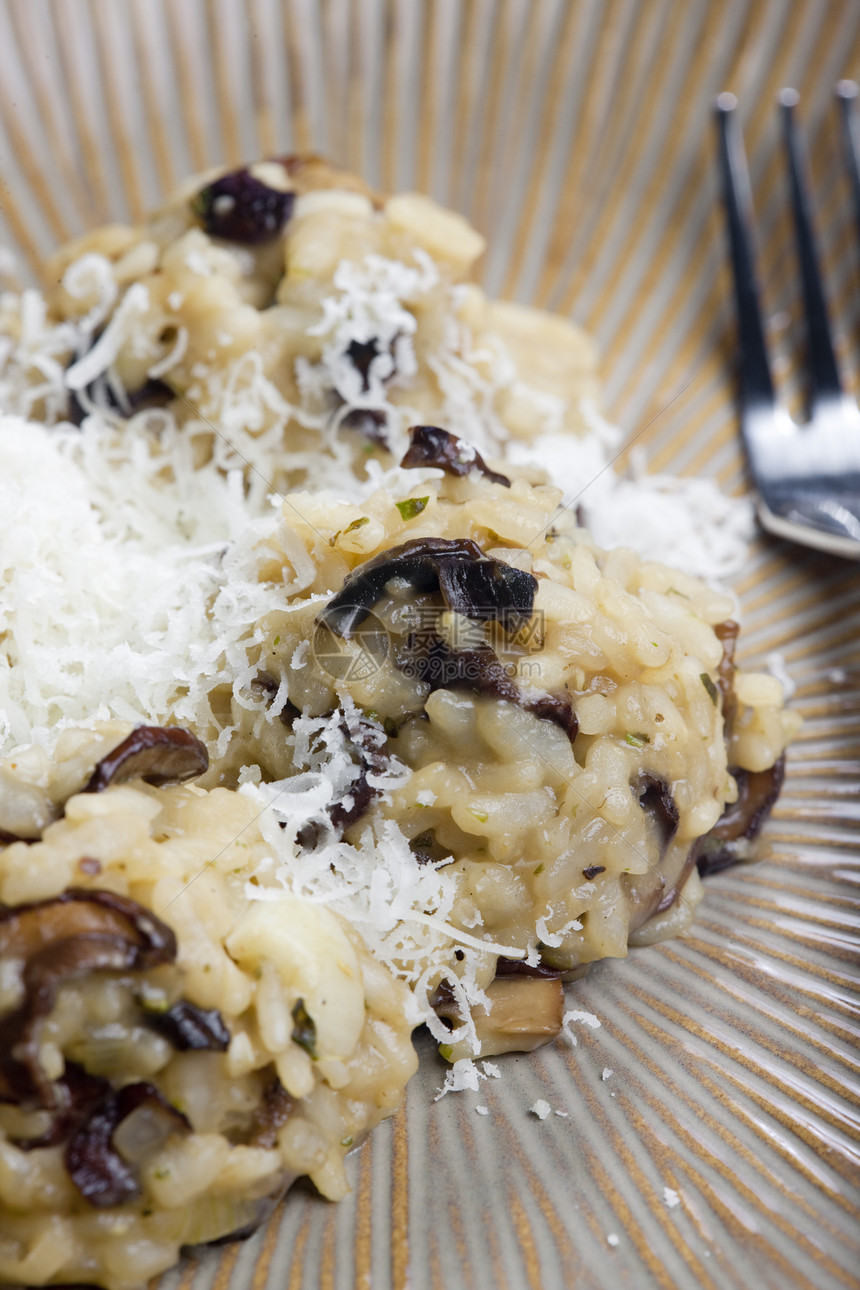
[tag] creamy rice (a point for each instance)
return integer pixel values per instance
(311, 1048)
(458, 749)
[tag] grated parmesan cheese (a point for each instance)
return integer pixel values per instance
(586, 1018)
(130, 582)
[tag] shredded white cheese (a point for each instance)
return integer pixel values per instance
(130, 582)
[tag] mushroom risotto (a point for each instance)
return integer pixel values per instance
(284, 781)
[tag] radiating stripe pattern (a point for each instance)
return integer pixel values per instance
(577, 134)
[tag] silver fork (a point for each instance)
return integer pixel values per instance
(807, 476)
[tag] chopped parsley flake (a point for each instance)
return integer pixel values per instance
(412, 506)
(304, 1030)
(637, 740)
(709, 686)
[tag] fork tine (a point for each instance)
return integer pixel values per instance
(846, 92)
(756, 384)
(823, 373)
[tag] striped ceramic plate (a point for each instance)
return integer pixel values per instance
(722, 1148)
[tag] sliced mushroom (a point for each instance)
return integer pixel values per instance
(431, 660)
(370, 422)
(367, 743)
(77, 1093)
(272, 1113)
(727, 634)
(76, 933)
(362, 353)
(188, 1027)
(472, 584)
(238, 207)
(655, 891)
(518, 967)
(101, 1174)
(741, 822)
(432, 446)
(101, 395)
(523, 1012)
(156, 754)
(655, 797)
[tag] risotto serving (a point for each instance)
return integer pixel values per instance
(324, 714)
(165, 1076)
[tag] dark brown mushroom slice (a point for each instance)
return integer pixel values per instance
(102, 1176)
(238, 207)
(156, 754)
(471, 583)
(432, 446)
(741, 821)
(77, 1093)
(655, 892)
(6, 839)
(190, 1028)
(367, 743)
(655, 797)
(271, 1115)
(519, 967)
(432, 661)
(727, 635)
(74, 934)
(101, 394)
(265, 683)
(362, 353)
(369, 422)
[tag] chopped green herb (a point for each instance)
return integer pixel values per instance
(369, 449)
(304, 1030)
(446, 1051)
(673, 591)
(539, 869)
(350, 528)
(412, 506)
(637, 740)
(347, 1142)
(709, 686)
(482, 816)
(154, 1003)
(276, 641)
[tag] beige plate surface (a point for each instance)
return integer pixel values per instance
(578, 137)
